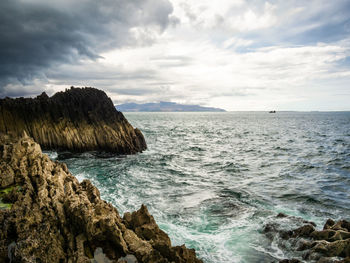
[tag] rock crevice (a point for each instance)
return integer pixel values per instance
(329, 245)
(54, 218)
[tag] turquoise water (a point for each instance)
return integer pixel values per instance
(213, 180)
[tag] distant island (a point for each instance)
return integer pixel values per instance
(164, 106)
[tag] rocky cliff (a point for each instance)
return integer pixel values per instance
(46, 215)
(79, 119)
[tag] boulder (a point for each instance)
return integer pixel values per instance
(330, 245)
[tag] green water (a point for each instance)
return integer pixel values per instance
(213, 180)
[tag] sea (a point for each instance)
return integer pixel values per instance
(213, 181)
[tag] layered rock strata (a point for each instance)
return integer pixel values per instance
(50, 217)
(330, 245)
(79, 119)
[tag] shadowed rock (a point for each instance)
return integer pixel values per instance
(79, 119)
(54, 218)
(325, 246)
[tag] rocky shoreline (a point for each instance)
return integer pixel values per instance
(48, 216)
(77, 120)
(329, 245)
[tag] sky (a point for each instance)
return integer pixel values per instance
(231, 54)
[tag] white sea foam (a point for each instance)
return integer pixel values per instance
(52, 155)
(214, 181)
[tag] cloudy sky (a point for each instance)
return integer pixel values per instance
(232, 54)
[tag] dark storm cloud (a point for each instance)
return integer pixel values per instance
(98, 73)
(36, 35)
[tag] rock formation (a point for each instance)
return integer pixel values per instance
(48, 216)
(79, 119)
(330, 245)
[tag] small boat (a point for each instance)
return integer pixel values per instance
(272, 111)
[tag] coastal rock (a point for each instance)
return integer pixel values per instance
(79, 119)
(330, 245)
(52, 217)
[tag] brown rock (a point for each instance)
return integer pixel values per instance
(339, 248)
(144, 225)
(8, 176)
(342, 225)
(323, 235)
(330, 245)
(54, 218)
(303, 231)
(330, 235)
(281, 215)
(329, 223)
(79, 119)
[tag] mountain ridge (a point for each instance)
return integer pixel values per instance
(164, 106)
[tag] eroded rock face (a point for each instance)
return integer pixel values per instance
(54, 218)
(79, 119)
(330, 245)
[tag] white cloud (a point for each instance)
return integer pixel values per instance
(200, 72)
(251, 20)
(236, 42)
(227, 15)
(203, 12)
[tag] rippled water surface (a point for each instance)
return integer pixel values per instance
(212, 180)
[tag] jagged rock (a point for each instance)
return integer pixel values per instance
(271, 229)
(325, 246)
(282, 215)
(79, 119)
(303, 231)
(54, 218)
(342, 225)
(329, 223)
(145, 227)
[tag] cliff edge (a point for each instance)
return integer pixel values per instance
(79, 119)
(46, 215)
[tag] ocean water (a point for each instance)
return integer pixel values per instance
(213, 180)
